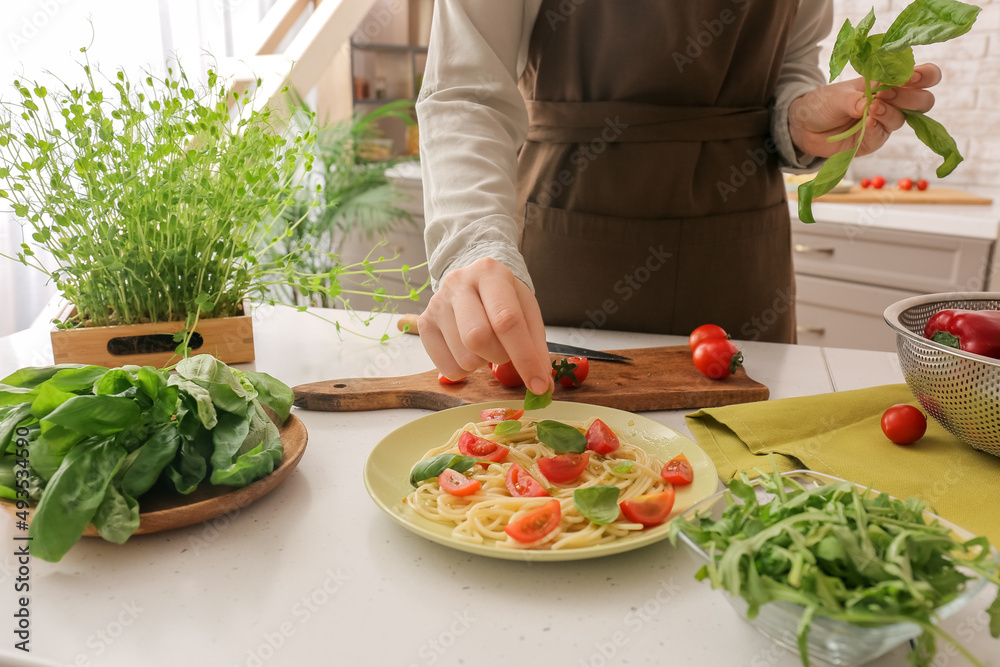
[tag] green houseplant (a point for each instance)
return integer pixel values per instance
(155, 200)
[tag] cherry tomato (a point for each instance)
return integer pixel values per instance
(521, 484)
(651, 509)
(922, 184)
(535, 524)
(500, 414)
(904, 424)
(905, 184)
(705, 332)
(471, 444)
(866, 183)
(563, 468)
(445, 380)
(457, 484)
(678, 471)
(565, 370)
(507, 375)
(600, 438)
(717, 358)
(878, 182)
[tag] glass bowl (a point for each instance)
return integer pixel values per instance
(831, 642)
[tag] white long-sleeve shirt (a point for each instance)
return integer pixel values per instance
(473, 121)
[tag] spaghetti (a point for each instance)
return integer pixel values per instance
(484, 514)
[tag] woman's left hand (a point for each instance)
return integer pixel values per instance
(832, 109)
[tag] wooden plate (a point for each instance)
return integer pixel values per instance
(162, 511)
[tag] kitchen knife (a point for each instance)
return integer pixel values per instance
(408, 324)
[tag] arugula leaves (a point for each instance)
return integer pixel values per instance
(888, 60)
(841, 553)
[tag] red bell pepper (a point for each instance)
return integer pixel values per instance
(976, 331)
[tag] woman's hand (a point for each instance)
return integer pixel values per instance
(483, 313)
(832, 109)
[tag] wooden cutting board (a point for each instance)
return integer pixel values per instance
(893, 195)
(659, 378)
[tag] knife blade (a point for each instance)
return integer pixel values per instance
(408, 324)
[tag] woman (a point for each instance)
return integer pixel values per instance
(601, 163)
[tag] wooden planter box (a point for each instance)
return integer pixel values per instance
(230, 339)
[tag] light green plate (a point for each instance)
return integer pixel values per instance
(387, 473)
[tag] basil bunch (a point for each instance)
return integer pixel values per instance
(99, 439)
(888, 59)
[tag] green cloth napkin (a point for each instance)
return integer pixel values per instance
(840, 434)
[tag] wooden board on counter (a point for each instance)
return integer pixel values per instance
(659, 378)
(932, 195)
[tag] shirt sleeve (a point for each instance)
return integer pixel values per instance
(800, 74)
(472, 122)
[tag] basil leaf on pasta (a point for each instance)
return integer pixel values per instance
(561, 437)
(435, 466)
(597, 503)
(622, 467)
(508, 427)
(534, 401)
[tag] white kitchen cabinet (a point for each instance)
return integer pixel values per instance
(847, 273)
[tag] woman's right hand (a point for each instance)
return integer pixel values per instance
(483, 313)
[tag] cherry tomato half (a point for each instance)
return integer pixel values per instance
(507, 375)
(678, 471)
(651, 509)
(500, 414)
(535, 524)
(457, 484)
(563, 468)
(878, 182)
(445, 380)
(705, 332)
(866, 183)
(717, 358)
(471, 444)
(904, 424)
(521, 484)
(922, 185)
(565, 370)
(601, 439)
(905, 184)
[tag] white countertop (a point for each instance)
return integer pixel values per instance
(315, 574)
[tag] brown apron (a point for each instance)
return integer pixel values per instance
(652, 196)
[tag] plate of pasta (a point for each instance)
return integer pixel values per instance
(529, 490)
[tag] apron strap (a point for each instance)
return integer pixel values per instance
(584, 122)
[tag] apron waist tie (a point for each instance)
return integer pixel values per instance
(585, 122)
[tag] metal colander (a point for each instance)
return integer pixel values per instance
(959, 389)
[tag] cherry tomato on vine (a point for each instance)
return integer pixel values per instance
(922, 184)
(535, 524)
(678, 471)
(651, 509)
(563, 468)
(500, 414)
(571, 371)
(705, 332)
(717, 358)
(507, 375)
(904, 424)
(521, 484)
(905, 184)
(878, 182)
(601, 439)
(457, 484)
(446, 380)
(471, 444)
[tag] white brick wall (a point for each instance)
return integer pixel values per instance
(968, 99)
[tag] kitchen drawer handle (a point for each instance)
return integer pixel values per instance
(808, 248)
(819, 331)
